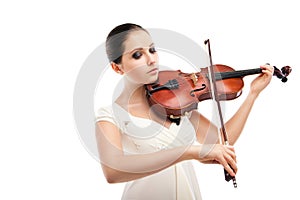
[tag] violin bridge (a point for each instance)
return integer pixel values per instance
(194, 78)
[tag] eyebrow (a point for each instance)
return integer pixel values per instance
(140, 48)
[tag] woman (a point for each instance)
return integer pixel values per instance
(148, 152)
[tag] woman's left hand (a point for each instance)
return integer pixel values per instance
(260, 82)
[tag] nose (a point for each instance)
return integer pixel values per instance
(151, 58)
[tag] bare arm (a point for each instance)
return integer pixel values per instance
(208, 133)
(235, 125)
(119, 167)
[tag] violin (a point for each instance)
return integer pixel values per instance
(176, 93)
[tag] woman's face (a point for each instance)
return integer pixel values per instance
(140, 60)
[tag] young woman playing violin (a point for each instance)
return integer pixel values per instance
(148, 152)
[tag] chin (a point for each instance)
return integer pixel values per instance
(152, 79)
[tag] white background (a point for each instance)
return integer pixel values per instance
(43, 45)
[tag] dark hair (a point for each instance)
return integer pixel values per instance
(116, 38)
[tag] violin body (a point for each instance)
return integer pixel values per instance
(176, 93)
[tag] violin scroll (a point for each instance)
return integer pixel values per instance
(283, 73)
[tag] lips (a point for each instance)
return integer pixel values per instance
(152, 70)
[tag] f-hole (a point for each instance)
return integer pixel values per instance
(192, 93)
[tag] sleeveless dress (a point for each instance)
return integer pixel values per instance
(142, 136)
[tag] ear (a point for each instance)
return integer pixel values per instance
(116, 68)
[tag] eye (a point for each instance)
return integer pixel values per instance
(137, 55)
(152, 50)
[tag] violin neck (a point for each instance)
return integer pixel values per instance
(237, 74)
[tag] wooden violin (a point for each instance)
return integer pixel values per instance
(175, 93)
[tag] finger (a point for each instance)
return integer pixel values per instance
(267, 71)
(230, 150)
(230, 147)
(231, 154)
(263, 67)
(271, 69)
(227, 167)
(225, 160)
(267, 67)
(231, 162)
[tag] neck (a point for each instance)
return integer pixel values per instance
(236, 74)
(131, 94)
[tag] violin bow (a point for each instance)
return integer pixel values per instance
(215, 97)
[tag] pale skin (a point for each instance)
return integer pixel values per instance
(139, 66)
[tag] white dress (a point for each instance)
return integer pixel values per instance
(140, 136)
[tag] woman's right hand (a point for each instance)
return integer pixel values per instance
(217, 154)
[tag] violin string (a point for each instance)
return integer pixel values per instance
(218, 76)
